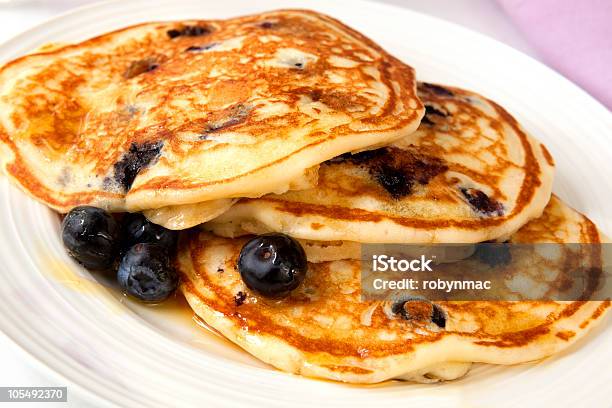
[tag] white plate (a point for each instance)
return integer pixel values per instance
(115, 352)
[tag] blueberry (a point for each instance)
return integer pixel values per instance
(482, 203)
(146, 274)
(137, 229)
(272, 264)
(138, 157)
(188, 31)
(91, 236)
(418, 309)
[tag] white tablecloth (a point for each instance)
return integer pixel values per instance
(16, 369)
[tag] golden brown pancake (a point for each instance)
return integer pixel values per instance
(169, 113)
(323, 329)
(183, 216)
(470, 173)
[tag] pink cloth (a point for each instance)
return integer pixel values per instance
(572, 36)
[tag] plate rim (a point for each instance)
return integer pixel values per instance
(599, 109)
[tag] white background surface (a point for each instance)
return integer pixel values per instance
(484, 16)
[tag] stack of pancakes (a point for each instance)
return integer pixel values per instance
(292, 122)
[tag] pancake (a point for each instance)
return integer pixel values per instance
(169, 113)
(323, 329)
(179, 217)
(326, 251)
(470, 173)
